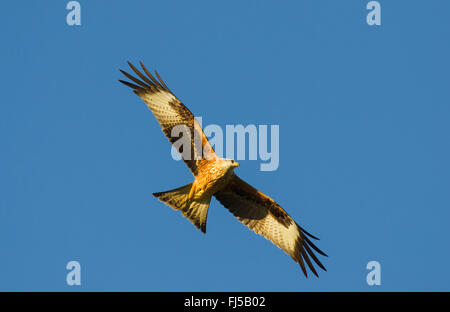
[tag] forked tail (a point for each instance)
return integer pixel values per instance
(195, 210)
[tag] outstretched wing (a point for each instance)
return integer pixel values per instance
(264, 216)
(175, 119)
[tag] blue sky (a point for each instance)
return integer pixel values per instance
(364, 143)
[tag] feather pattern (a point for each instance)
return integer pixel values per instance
(263, 215)
(175, 118)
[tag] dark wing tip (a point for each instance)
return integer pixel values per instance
(131, 85)
(147, 82)
(308, 261)
(161, 81)
(302, 265)
(149, 75)
(311, 244)
(303, 253)
(309, 234)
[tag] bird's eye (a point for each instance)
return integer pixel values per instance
(232, 161)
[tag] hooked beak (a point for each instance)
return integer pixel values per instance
(236, 164)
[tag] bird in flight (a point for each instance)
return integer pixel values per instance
(214, 176)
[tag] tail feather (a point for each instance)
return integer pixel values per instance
(195, 210)
(177, 198)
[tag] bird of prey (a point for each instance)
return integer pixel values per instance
(214, 176)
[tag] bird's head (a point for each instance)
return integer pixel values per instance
(230, 163)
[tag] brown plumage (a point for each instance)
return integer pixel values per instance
(214, 176)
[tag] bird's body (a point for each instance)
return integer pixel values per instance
(214, 176)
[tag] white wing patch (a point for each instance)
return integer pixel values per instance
(273, 230)
(158, 103)
(265, 217)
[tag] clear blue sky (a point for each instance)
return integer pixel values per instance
(364, 142)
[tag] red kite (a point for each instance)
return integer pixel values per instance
(214, 176)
